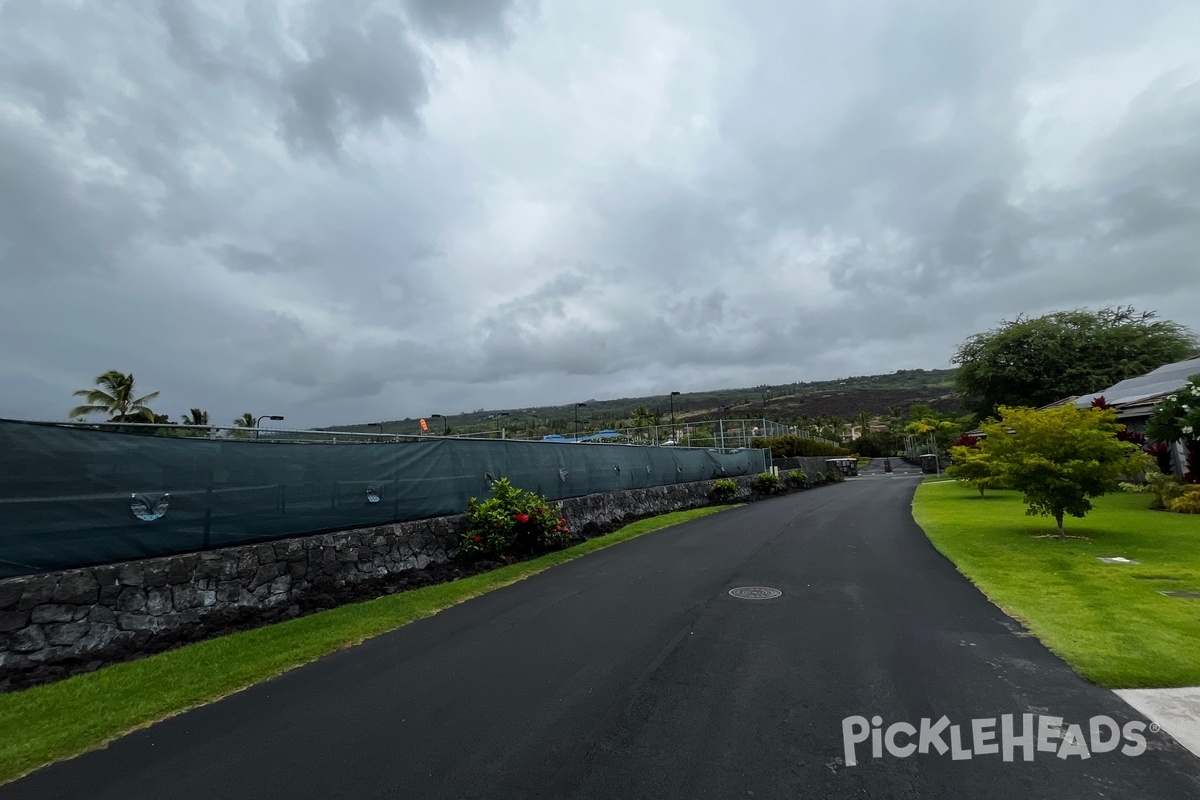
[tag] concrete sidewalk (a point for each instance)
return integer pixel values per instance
(1176, 711)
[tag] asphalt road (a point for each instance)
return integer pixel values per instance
(632, 673)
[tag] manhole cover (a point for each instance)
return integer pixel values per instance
(1189, 595)
(755, 593)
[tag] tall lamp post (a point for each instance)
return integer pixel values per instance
(673, 414)
(445, 423)
(258, 422)
(577, 407)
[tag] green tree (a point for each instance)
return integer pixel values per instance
(878, 445)
(943, 428)
(116, 395)
(1060, 457)
(1032, 361)
(244, 424)
(195, 417)
(971, 466)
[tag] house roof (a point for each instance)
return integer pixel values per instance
(1153, 385)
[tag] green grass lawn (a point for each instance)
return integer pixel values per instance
(59, 720)
(1108, 621)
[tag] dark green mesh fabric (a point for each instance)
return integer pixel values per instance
(73, 496)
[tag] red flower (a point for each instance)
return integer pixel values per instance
(522, 518)
(479, 538)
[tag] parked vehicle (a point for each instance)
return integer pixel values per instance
(846, 466)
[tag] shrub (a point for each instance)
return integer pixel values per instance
(1134, 488)
(766, 483)
(1165, 488)
(797, 478)
(792, 446)
(1188, 502)
(723, 490)
(1161, 453)
(511, 523)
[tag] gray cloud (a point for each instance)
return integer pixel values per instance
(358, 78)
(461, 19)
(51, 224)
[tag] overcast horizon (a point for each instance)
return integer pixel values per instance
(350, 211)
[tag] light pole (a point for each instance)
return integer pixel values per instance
(445, 423)
(577, 407)
(258, 421)
(724, 409)
(673, 414)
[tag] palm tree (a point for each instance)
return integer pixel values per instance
(115, 396)
(246, 420)
(863, 421)
(195, 417)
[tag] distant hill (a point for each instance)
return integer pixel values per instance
(842, 398)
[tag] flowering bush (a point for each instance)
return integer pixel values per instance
(510, 524)
(1178, 417)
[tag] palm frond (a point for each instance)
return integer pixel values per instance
(83, 411)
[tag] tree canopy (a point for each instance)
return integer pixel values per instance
(1033, 361)
(116, 395)
(1058, 458)
(972, 466)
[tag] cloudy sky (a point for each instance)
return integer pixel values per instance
(347, 211)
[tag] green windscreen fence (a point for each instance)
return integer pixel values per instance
(73, 496)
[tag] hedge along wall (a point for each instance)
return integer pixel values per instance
(54, 624)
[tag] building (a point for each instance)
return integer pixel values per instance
(1135, 398)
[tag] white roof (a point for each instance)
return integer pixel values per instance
(1164, 380)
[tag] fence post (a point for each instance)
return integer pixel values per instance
(207, 516)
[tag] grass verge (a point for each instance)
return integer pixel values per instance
(1108, 621)
(60, 720)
